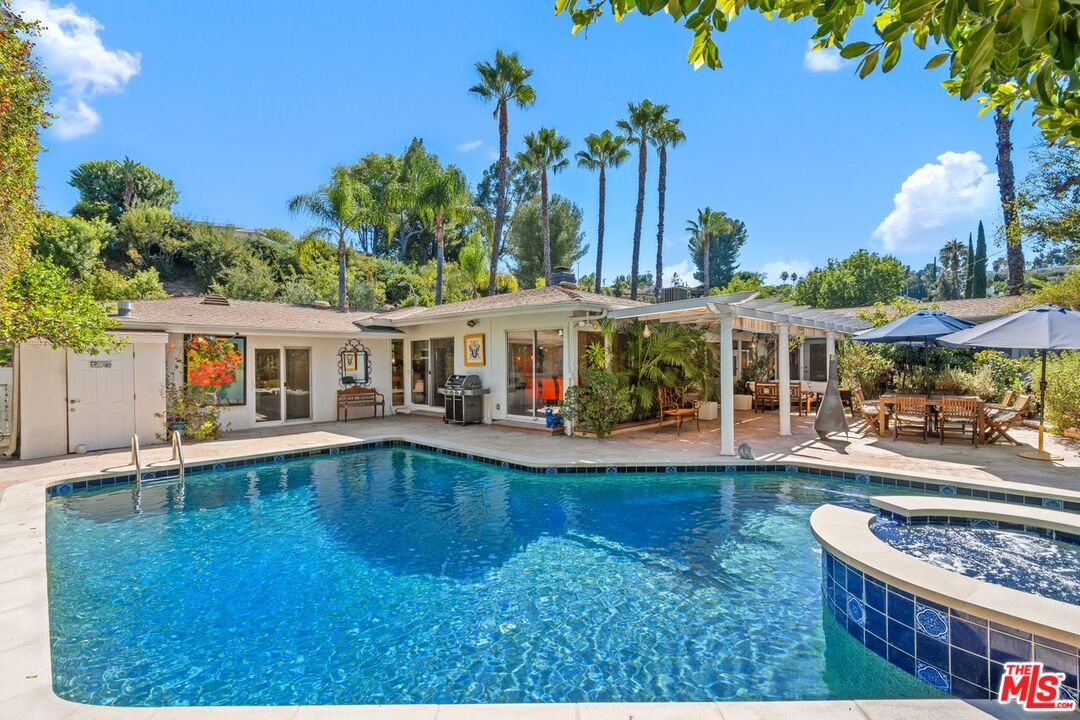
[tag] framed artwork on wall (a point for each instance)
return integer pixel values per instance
(474, 350)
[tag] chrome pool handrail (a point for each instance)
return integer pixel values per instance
(178, 451)
(136, 458)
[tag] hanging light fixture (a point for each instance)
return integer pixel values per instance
(647, 332)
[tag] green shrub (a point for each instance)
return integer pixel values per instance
(598, 403)
(1063, 390)
(108, 284)
(860, 365)
(1004, 372)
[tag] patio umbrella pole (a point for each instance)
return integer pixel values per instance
(1041, 454)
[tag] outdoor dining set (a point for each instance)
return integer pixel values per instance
(943, 416)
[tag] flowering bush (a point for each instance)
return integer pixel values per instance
(212, 362)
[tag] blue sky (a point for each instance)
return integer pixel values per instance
(245, 104)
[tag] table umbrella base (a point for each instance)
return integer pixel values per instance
(1039, 455)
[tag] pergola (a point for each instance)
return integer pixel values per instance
(747, 311)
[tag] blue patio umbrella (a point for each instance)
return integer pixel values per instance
(920, 327)
(1044, 328)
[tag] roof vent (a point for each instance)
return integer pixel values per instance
(123, 308)
(321, 304)
(215, 299)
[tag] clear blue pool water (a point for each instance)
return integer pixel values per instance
(399, 576)
(1017, 559)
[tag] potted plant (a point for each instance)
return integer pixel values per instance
(754, 372)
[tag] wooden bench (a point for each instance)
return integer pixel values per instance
(360, 397)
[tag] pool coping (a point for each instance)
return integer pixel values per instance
(846, 534)
(1064, 526)
(25, 652)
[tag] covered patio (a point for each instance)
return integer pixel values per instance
(736, 322)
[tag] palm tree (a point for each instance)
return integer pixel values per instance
(603, 151)
(640, 122)
(473, 260)
(1014, 252)
(503, 81)
(667, 134)
(951, 255)
(706, 225)
(544, 151)
(784, 276)
(443, 197)
(337, 206)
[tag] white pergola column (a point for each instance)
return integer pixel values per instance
(830, 349)
(783, 376)
(727, 388)
(570, 348)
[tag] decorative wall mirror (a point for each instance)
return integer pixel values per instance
(354, 364)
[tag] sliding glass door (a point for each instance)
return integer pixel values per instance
(432, 362)
(534, 372)
(282, 384)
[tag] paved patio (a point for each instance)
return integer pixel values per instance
(860, 450)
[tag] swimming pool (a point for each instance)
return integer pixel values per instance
(1019, 559)
(404, 576)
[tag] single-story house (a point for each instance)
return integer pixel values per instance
(526, 347)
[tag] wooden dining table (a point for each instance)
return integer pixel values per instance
(931, 404)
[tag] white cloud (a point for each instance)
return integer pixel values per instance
(468, 147)
(683, 269)
(78, 63)
(939, 198)
(773, 269)
(823, 60)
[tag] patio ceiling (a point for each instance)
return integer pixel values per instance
(744, 305)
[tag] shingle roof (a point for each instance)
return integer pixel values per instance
(192, 312)
(974, 309)
(541, 297)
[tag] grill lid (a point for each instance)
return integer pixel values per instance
(463, 382)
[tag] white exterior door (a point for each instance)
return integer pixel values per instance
(101, 399)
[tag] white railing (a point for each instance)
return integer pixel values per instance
(136, 458)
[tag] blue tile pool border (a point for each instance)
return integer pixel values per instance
(64, 487)
(980, 524)
(958, 653)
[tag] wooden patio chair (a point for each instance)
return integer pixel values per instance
(910, 414)
(1006, 401)
(868, 411)
(672, 405)
(766, 396)
(959, 413)
(999, 421)
(798, 402)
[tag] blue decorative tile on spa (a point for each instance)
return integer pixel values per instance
(947, 490)
(855, 610)
(933, 675)
(932, 622)
(984, 524)
(1053, 504)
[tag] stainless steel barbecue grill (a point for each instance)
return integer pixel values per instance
(464, 399)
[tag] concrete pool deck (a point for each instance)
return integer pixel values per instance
(25, 669)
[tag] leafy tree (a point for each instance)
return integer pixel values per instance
(602, 151)
(443, 197)
(71, 242)
(335, 205)
(151, 236)
(1050, 202)
(715, 243)
(473, 259)
(1064, 292)
(526, 243)
(48, 306)
(1009, 50)
(248, 279)
(504, 81)
(861, 278)
(639, 125)
(37, 299)
(978, 286)
(666, 134)
(745, 281)
(108, 284)
(380, 196)
(522, 185)
(545, 151)
(969, 269)
(114, 187)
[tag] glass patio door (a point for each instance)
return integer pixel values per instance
(432, 362)
(534, 372)
(282, 384)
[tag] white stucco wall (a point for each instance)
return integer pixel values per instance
(324, 375)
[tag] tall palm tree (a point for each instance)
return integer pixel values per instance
(503, 81)
(952, 254)
(443, 197)
(707, 224)
(640, 122)
(1014, 252)
(667, 134)
(337, 204)
(603, 151)
(545, 151)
